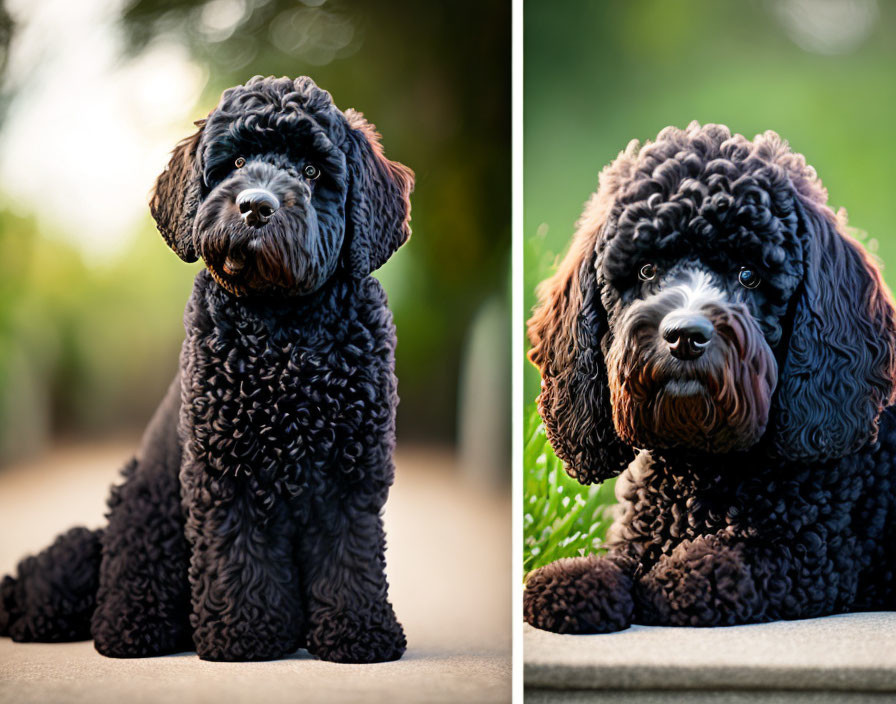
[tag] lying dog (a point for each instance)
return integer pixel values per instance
(249, 523)
(716, 336)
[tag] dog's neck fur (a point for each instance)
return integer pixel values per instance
(296, 307)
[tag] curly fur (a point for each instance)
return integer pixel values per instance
(757, 477)
(249, 524)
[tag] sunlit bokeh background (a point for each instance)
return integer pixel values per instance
(96, 93)
(822, 73)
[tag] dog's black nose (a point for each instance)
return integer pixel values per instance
(257, 205)
(688, 336)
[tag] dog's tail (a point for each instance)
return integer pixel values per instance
(53, 594)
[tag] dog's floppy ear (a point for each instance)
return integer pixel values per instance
(379, 205)
(176, 195)
(840, 367)
(566, 332)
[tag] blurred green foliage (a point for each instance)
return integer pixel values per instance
(90, 347)
(561, 518)
(598, 74)
(82, 349)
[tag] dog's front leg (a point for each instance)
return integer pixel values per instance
(723, 580)
(244, 582)
(350, 618)
(143, 601)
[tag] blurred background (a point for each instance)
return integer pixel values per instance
(96, 93)
(822, 73)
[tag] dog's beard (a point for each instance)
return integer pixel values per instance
(717, 403)
(288, 255)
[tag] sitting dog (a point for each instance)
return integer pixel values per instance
(716, 336)
(248, 525)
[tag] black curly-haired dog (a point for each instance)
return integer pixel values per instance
(715, 335)
(248, 525)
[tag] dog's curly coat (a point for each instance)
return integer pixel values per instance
(715, 335)
(249, 523)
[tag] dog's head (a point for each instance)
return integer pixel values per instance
(711, 301)
(278, 190)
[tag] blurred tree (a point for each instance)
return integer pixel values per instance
(7, 26)
(435, 79)
(6, 29)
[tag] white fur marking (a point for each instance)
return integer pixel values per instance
(697, 293)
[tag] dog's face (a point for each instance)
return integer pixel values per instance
(279, 190)
(711, 302)
(696, 276)
(689, 364)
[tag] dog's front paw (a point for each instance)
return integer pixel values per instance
(242, 642)
(147, 638)
(579, 595)
(357, 636)
(704, 582)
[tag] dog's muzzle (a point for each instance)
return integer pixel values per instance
(688, 367)
(257, 206)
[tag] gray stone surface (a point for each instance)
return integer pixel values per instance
(448, 564)
(569, 696)
(850, 652)
(39, 673)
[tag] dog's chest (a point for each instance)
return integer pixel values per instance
(665, 502)
(287, 396)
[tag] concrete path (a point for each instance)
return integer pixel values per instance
(449, 570)
(850, 657)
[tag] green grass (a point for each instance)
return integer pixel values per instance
(561, 518)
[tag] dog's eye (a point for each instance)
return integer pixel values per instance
(240, 162)
(647, 272)
(748, 278)
(310, 171)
